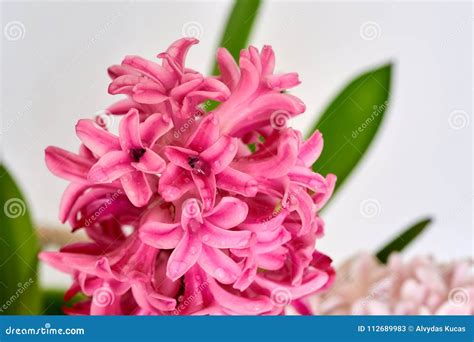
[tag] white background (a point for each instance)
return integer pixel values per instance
(420, 164)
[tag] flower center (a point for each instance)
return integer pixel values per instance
(137, 153)
(198, 166)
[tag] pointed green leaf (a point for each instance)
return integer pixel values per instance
(19, 291)
(351, 121)
(238, 27)
(402, 240)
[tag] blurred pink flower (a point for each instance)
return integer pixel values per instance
(417, 287)
(183, 217)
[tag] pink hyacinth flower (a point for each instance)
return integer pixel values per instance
(182, 217)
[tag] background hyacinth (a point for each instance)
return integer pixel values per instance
(204, 202)
(420, 286)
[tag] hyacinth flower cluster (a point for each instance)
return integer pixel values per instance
(194, 208)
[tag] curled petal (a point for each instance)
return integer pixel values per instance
(137, 188)
(206, 185)
(150, 162)
(205, 135)
(67, 165)
(180, 156)
(220, 238)
(230, 72)
(229, 213)
(220, 266)
(220, 154)
(174, 183)
(148, 92)
(110, 167)
(97, 139)
(184, 256)
(161, 235)
(236, 181)
(129, 131)
(311, 149)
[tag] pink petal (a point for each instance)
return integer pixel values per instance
(129, 131)
(229, 213)
(179, 156)
(235, 181)
(182, 90)
(238, 304)
(122, 107)
(70, 196)
(97, 139)
(161, 235)
(184, 256)
(137, 188)
(149, 92)
(220, 238)
(150, 162)
(154, 127)
(179, 49)
(110, 166)
(221, 153)
(149, 69)
(311, 149)
(174, 182)
(284, 81)
(205, 135)
(67, 165)
(124, 84)
(219, 265)
(206, 185)
(306, 177)
(230, 72)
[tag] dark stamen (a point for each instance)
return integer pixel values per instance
(192, 161)
(137, 153)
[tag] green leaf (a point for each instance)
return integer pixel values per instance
(402, 240)
(351, 121)
(19, 290)
(53, 302)
(238, 28)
